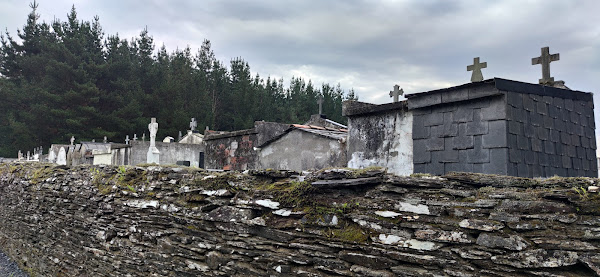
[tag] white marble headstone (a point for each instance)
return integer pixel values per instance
(62, 157)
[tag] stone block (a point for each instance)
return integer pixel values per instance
(498, 162)
(536, 145)
(422, 111)
(569, 105)
(478, 154)
(436, 168)
(585, 142)
(575, 141)
(434, 144)
(448, 155)
(522, 170)
(463, 142)
(549, 147)
(536, 119)
(554, 136)
(478, 168)
(450, 128)
(437, 131)
(566, 162)
(455, 95)
(477, 127)
(515, 99)
(574, 117)
(496, 111)
(542, 133)
(458, 167)
(548, 122)
(535, 170)
(445, 108)
(565, 138)
(523, 143)
(542, 108)
(421, 168)
(424, 101)
(576, 163)
(543, 159)
(433, 119)
(530, 157)
(483, 91)
(559, 125)
(528, 104)
(529, 131)
(515, 156)
(521, 115)
(558, 102)
(553, 111)
(496, 136)
(420, 152)
(420, 132)
(463, 115)
(512, 169)
(571, 151)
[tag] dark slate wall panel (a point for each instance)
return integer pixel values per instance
(550, 136)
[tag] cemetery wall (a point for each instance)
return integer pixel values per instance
(106, 221)
(299, 150)
(382, 138)
(170, 153)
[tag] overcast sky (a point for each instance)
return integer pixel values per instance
(366, 45)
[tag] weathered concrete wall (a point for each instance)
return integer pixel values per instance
(232, 151)
(298, 150)
(381, 138)
(170, 153)
(101, 221)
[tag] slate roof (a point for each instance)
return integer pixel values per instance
(330, 133)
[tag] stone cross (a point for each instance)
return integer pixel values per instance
(20, 155)
(28, 155)
(476, 67)
(105, 140)
(153, 155)
(396, 93)
(179, 137)
(135, 137)
(72, 140)
(127, 139)
(320, 102)
(193, 124)
(545, 59)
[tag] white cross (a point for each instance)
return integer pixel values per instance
(193, 124)
(72, 140)
(135, 137)
(545, 59)
(127, 139)
(396, 93)
(476, 67)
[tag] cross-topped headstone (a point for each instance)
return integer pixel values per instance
(135, 137)
(396, 93)
(476, 67)
(320, 102)
(127, 139)
(545, 59)
(72, 140)
(193, 124)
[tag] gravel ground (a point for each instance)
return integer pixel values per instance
(8, 268)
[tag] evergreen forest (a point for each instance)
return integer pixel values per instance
(68, 79)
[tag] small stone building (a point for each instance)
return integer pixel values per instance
(304, 147)
(495, 126)
(170, 153)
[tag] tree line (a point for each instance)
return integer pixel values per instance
(68, 79)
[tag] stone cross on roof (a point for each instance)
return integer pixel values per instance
(545, 59)
(193, 124)
(476, 67)
(320, 102)
(396, 93)
(72, 140)
(127, 139)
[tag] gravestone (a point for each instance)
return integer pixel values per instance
(179, 137)
(28, 155)
(72, 140)
(135, 137)
(61, 159)
(20, 155)
(127, 140)
(545, 59)
(396, 93)
(105, 140)
(144, 136)
(51, 156)
(476, 67)
(153, 155)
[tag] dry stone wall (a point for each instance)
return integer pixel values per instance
(155, 221)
